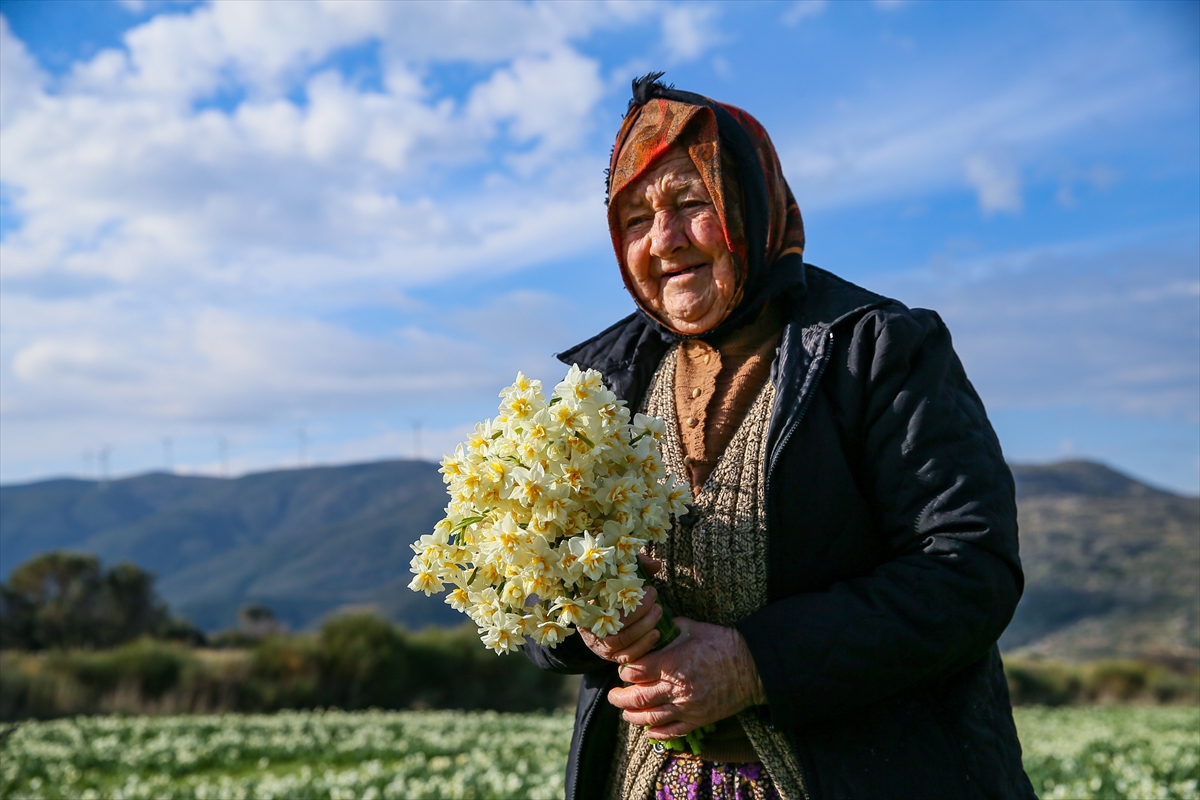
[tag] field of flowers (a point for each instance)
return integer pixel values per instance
(290, 755)
(1070, 753)
(1112, 752)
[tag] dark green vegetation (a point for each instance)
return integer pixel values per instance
(355, 661)
(360, 661)
(62, 600)
(1043, 682)
(303, 542)
(1112, 568)
(1112, 565)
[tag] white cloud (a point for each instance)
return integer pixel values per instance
(915, 133)
(804, 9)
(116, 175)
(547, 97)
(99, 357)
(1110, 327)
(997, 183)
(688, 30)
(21, 82)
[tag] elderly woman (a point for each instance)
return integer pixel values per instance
(851, 557)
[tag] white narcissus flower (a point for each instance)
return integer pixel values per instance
(458, 599)
(544, 587)
(592, 557)
(628, 547)
(543, 560)
(537, 430)
(426, 582)
(528, 485)
(606, 623)
(522, 400)
(618, 494)
(513, 594)
(543, 629)
(648, 426)
(480, 440)
(554, 505)
(573, 611)
(620, 592)
(570, 418)
(678, 497)
(506, 636)
(485, 606)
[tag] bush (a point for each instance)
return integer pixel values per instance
(284, 673)
(129, 678)
(364, 663)
(453, 670)
(1044, 683)
(1034, 681)
(356, 661)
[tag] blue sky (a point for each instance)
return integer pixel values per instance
(229, 223)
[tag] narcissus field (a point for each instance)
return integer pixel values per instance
(1113, 752)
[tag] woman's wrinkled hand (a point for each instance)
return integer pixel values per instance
(705, 675)
(638, 634)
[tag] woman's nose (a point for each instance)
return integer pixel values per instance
(667, 236)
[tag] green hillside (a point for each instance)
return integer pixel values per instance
(302, 541)
(1112, 565)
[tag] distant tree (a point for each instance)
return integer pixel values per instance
(257, 621)
(63, 599)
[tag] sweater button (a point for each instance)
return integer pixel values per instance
(692, 422)
(688, 461)
(695, 393)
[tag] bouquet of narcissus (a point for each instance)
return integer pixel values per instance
(550, 503)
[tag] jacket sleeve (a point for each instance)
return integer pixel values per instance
(942, 501)
(571, 656)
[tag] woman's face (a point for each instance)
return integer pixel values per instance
(674, 246)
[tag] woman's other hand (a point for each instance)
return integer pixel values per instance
(638, 634)
(705, 675)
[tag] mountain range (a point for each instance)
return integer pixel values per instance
(1112, 565)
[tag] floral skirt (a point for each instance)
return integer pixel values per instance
(690, 778)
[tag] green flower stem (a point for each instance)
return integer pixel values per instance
(669, 632)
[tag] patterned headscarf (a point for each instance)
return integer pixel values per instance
(740, 169)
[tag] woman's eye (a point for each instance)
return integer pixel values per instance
(693, 204)
(634, 221)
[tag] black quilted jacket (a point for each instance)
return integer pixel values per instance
(893, 557)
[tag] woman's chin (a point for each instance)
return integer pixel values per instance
(689, 324)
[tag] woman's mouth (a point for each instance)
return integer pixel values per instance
(676, 273)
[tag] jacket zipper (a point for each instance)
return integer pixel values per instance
(787, 435)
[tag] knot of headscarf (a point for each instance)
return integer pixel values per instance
(740, 168)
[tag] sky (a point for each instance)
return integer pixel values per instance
(239, 236)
